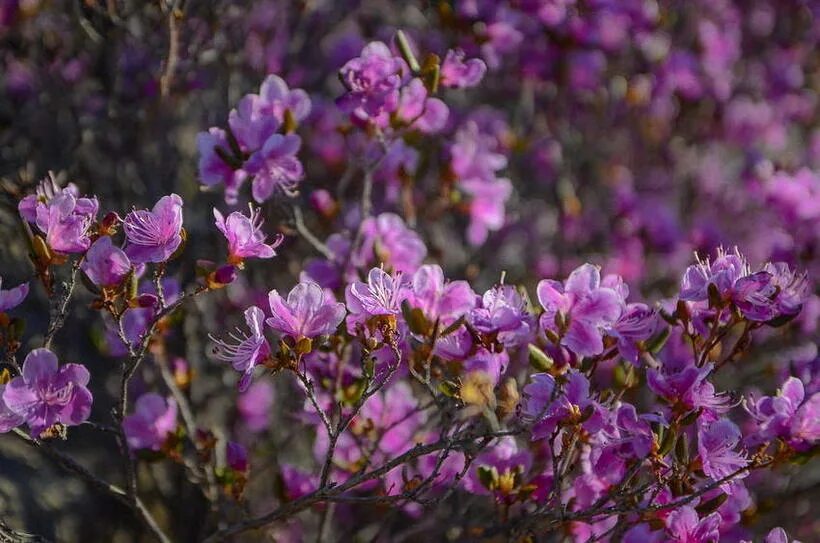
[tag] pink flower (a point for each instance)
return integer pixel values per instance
(309, 311)
(153, 236)
(275, 166)
(65, 220)
(154, 418)
(684, 526)
(47, 394)
(248, 350)
(104, 264)
(458, 73)
(245, 236)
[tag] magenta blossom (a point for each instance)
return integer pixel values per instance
(788, 415)
(154, 418)
(47, 394)
(275, 166)
(684, 526)
(503, 311)
(573, 404)
(309, 311)
(437, 299)
(65, 220)
(11, 298)
(8, 418)
(254, 406)
(247, 350)
(372, 81)
(105, 264)
(580, 310)
(381, 295)
(458, 73)
(276, 98)
(393, 243)
(153, 236)
(245, 236)
(716, 447)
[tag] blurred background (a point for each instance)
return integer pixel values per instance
(636, 132)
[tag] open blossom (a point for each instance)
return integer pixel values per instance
(154, 418)
(458, 73)
(381, 295)
(716, 446)
(254, 406)
(393, 243)
(246, 350)
(417, 109)
(245, 236)
(683, 383)
(788, 415)
(372, 81)
(105, 264)
(47, 393)
(276, 98)
(438, 299)
(637, 323)
(572, 404)
(65, 220)
(12, 297)
(684, 526)
(776, 535)
(309, 311)
(153, 236)
(580, 310)
(503, 311)
(275, 166)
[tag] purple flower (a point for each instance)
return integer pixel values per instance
(153, 419)
(504, 463)
(723, 272)
(65, 220)
(459, 74)
(393, 243)
(684, 526)
(276, 98)
(681, 382)
(8, 418)
(792, 288)
(487, 200)
(716, 444)
(251, 124)
(247, 350)
(47, 394)
(153, 236)
(439, 300)
(275, 166)
(787, 416)
(105, 264)
(381, 295)
(309, 311)
(572, 404)
(372, 81)
(11, 298)
(637, 323)
(254, 406)
(579, 310)
(213, 169)
(245, 236)
(417, 109)
(503, 312)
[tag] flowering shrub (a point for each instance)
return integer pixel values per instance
(509, 271)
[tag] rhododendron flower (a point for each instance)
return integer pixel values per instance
(105, 264)
(486, 200)
(776, 535)
(393, 243)
(309, 311)
(372, 81)
(572, 404)
(247, 350)
(437, 299)
(637, 323)
(580, 310)
(684, 526)
(685, 383)
(723, 272)
(276, 98)
(250, 124)
(245, 236)
(153, 236)
(65, 220)
(787, 416)
(12, 297)
(716, 444)
(458, 73)
(46, 393)
(504, 463)
(154, 418)
(275, 166)
(503, 311)
(236, 456)
(417, 109)
(381, 295)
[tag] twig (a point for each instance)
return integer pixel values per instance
(304, 231)
(57, 320)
